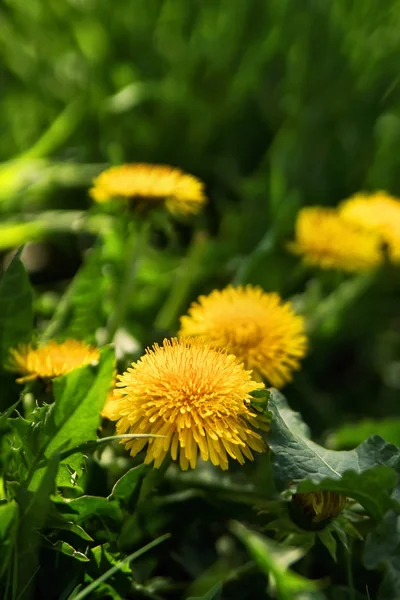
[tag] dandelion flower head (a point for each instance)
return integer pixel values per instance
(50, 360)
(257, 327)
(378, 213)
(327, 240)
(196, 397)
(152, 184)
(320, 506)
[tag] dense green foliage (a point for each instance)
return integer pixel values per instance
(274, 104)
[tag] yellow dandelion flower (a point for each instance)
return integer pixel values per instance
(320, 506)
(51, 360)
(260, 329)
(329, 241)
(180, 192)
(196, 397)
(378, 213)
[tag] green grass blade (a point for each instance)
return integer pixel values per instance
(90, 588)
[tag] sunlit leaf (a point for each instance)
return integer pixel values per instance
(274, 560)
(352, 434)
(213, 594)
(128, 486)
(100, 517)
(75, 415)
(8, 525)
(67, 549)
(16, 312)
(79, 313)
(35, 509)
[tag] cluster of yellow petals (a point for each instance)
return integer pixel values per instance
(50, 360)
(325, 238)
(378, 213)
(195, 396)
(321, 505)
(258, 327)
(180, 192)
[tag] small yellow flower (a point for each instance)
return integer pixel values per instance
(193, 395)
(260, 329)
(51, 360)
(321, 506)
(180, 192)
(378, 213)
(329, 241)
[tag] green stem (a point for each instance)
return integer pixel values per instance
(135, 247)
(59, 316)
(58, 132)
(186, 276)
(235, 493)
(93, 444)
(263, 248)
(92, 587)
(333, 306)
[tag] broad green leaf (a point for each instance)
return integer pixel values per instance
(79, 313)
(17, 234)
(382, 551)
(16, 312)
(25, 440)
(6, 414)
(101, 518)
(128, 486)
(74, 528)
(211, 580)
(8, 527)
(329, 541)
(67, 549)
(352, 434)
(34, 514)
(102, 555)
(274, 560)
(301, 463)
(8, 513)
(58, 521)
(213, 594)
(75, 416)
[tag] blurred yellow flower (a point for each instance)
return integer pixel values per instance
(153, 184)
(325, 239)
(258, 328)
(51, 360)
(108, 406)
(378, 213)
(193, 395)
(321, 506)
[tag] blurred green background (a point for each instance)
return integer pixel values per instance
(275, 104)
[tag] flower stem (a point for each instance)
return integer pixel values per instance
(135, 246)
(333, 306)
(186, 276)
(263, 248)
